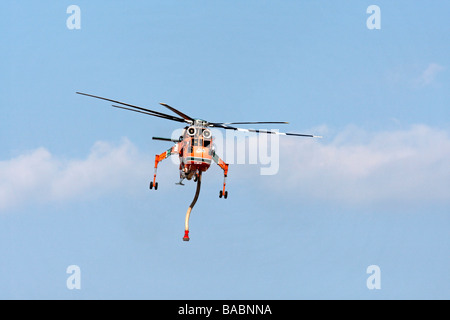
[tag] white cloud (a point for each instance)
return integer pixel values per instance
(386, 167)
(39, 176)
(414, 76)
(355, 167)
(429, 74)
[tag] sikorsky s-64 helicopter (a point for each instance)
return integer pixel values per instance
(194, 147)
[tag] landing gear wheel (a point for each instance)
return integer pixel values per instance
(226, 194)
(155, 186)
(195, 177)
(220, 194)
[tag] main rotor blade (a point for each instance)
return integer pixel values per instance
(148, 113)
(181, 114)
(151, 112)
(269, 132)
(254, 122)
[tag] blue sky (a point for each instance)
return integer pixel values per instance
(74, 172)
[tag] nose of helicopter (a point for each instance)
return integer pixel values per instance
(200, 158)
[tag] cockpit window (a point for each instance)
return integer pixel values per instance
(199, 142)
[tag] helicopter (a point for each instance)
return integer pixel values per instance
(194, 147)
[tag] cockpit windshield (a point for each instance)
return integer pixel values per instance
(200, 142)
(197, 142)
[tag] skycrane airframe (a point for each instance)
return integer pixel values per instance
(194, 147)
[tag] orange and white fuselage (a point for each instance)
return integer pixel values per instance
(196, 152)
